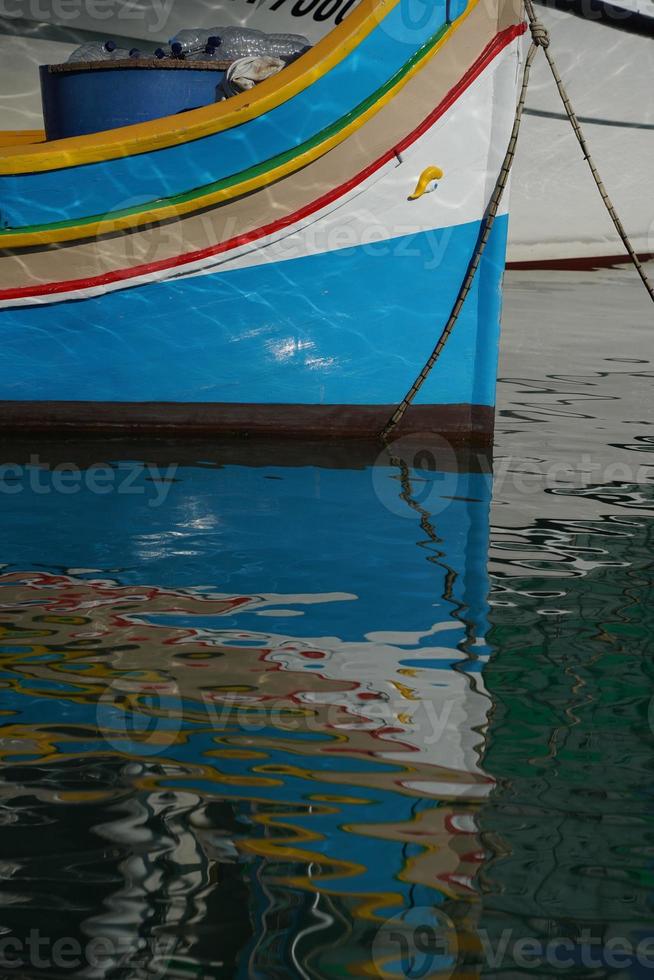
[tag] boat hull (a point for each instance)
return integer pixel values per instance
(327, 342)
(305, 313)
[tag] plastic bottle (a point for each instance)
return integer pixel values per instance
(245, 42)
(177, 51)
(93, 51)
(241, 42)
(161, 53)
(136, 53)
(191, 41)
(119, 54)
(210, 53)
(286, 45)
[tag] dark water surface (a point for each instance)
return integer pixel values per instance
(296, 712)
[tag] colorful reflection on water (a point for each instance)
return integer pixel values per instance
(243, 711)
(267, 714)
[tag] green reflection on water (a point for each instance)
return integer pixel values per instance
(571, 820)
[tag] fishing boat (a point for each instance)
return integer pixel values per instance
(281, 260)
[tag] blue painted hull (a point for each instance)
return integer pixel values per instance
(347, 327)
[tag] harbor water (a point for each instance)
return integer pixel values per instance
(281, 710)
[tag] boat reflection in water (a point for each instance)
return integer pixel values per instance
(242, 727)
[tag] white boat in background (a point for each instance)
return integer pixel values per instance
(605, 54)
(557, 215)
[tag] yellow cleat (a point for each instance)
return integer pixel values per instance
(427, 177)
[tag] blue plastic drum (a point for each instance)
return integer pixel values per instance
(91, 97)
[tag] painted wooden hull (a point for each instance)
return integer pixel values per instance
(257, 264)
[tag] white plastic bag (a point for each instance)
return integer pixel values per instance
(245, 73)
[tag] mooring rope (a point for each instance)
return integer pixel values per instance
(539, 39)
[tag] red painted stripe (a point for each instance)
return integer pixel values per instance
(490, 52)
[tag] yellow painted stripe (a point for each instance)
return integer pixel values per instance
(17, 137)
(196, 123)
(129, 221)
